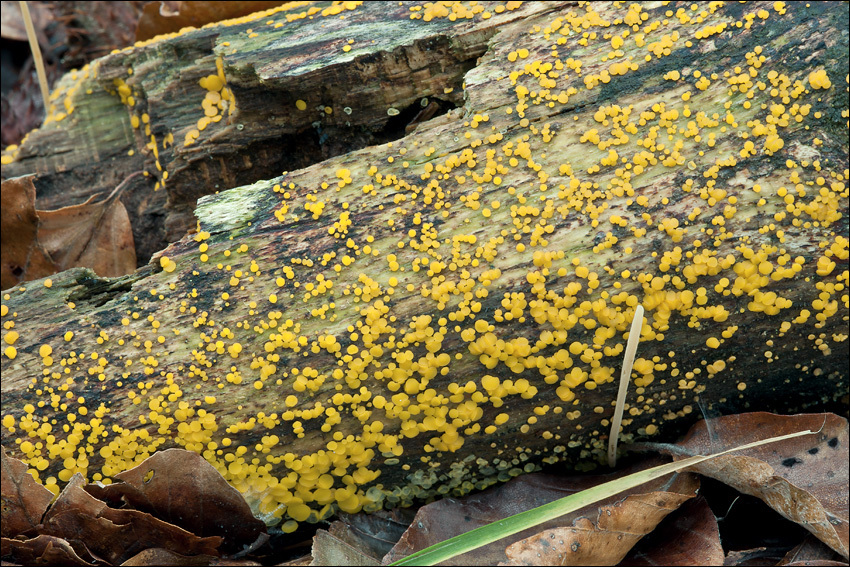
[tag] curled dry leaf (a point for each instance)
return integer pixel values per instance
(24, 499)
(159, 556)
(302, 561)
(12, 21)
(449, 517)
(603, 540)
(817, 563)
(182, 488)
(378, 531)
(23, 258)
(36, 244)
(755, 557)
(168, 17)
(41, 550)
(116, 535)
(91, 235)
(338, 546)
(805, 479)
(360, 539)
(689, 536)
(810, 549)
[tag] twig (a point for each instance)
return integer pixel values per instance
(625, 374)
(36, 55)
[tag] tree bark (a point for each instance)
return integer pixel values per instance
(447, 311)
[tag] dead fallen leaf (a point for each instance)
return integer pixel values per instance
(805, 479)
(605, 540)
(335, 546)
(811, 549)
(36, 244)
(116, 535)
(689, 536)
(168, 17)
(302, 561)
(91, 235)
(41, 550)
(24, 499)
(12, 21)
(23, 258)
(182, 488)
(377, 531)
(754, 557)
(449, 517)
(159, 556)
(817, 563)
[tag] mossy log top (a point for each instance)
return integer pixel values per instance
(450, 309)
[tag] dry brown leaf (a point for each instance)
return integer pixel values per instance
(24, 499)
(23, 258)
(602, 541)
(449, 517)
(805, 479)
(378, 531)
(41, 550)
(159, 556)
(754, 557)
(302, 561)
(811, 549)
(182, 488)
(688, 537)
(91, 235)
(817, 563)
(36, 244)
(168, 17)
(335, 546)
(12, 21)
(116, 535)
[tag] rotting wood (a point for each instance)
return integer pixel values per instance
(497, 354)
(127, 102)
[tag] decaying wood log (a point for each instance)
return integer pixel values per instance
(441, 312)
(351, 78)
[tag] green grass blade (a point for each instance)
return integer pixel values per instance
(518, 522)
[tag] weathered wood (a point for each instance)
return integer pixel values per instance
(463, 341)
(393, 63)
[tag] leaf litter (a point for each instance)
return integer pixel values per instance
(169, 17)
(758, 425)
(182, 488)
(36, 244)
(811, 551)
(24, 499)
(174, 508)
(632, 510)
(804, 479)
(140, 519)
(23, 258)
(360, 539)
(688, 537)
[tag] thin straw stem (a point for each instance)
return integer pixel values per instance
(36, 55)
(625, 375)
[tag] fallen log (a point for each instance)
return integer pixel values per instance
(445, 311)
